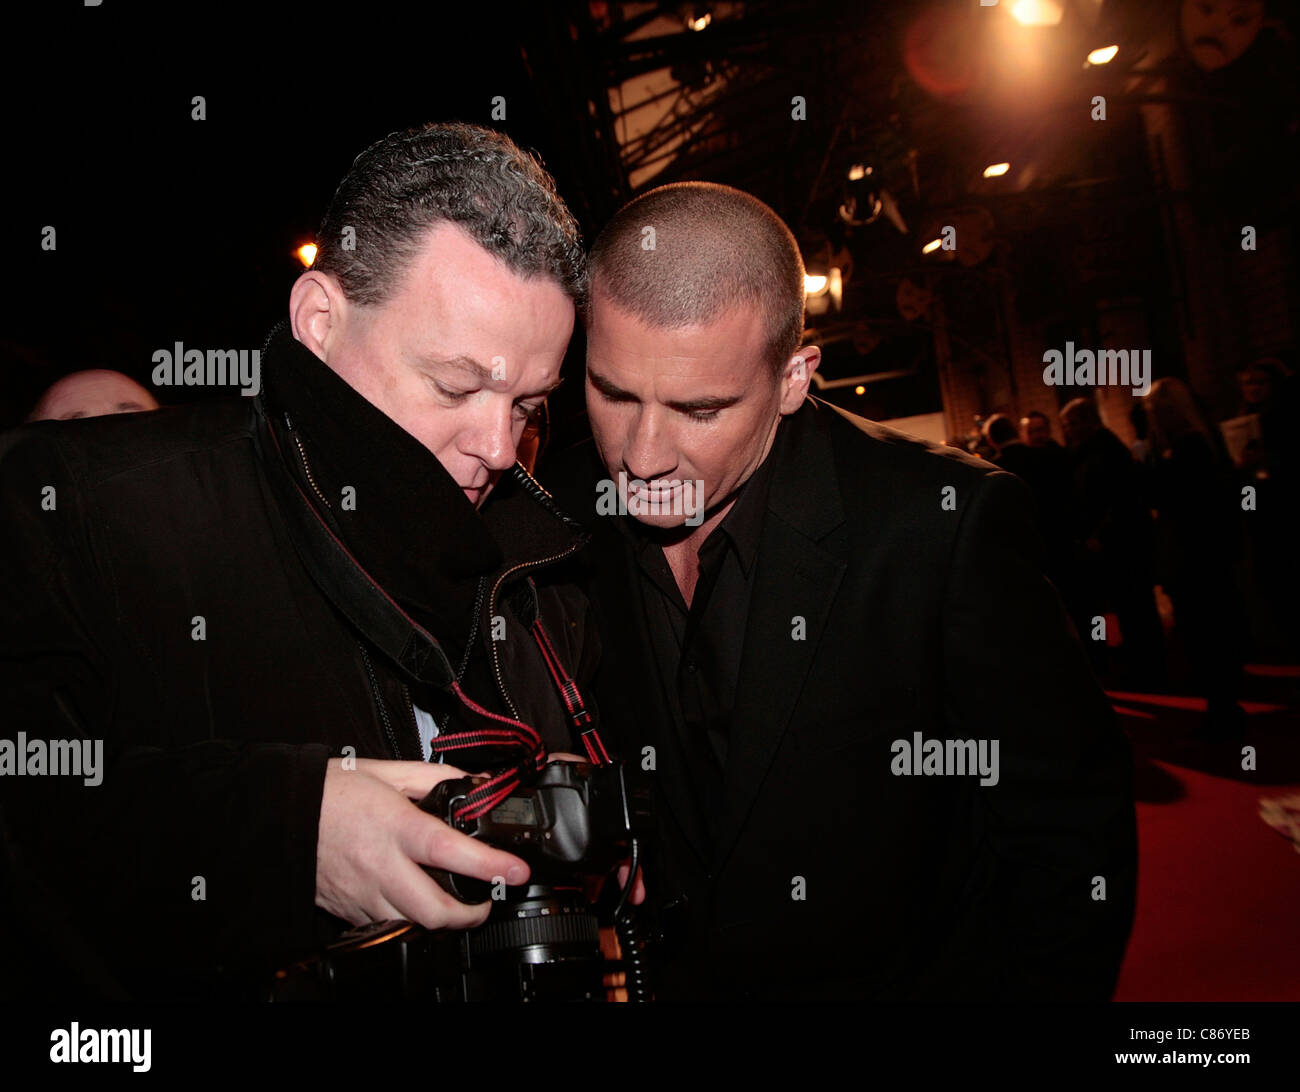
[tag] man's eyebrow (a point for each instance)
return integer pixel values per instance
(713, 402)
(691, 405)
(608, 388)
(464, 363)
(483, 373)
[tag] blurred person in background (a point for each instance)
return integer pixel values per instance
(1117, 537)
(1199, 543)
(94, 393)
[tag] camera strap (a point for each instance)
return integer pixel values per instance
(571, 697)
(508, 732)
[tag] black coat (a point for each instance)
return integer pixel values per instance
(916, 618)
(215, 749)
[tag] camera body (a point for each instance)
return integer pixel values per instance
(575, 821)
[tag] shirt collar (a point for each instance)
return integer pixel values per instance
(742, 527)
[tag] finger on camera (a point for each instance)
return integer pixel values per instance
(419, 898)
(430, 841)
(563, 756)
(412, 779)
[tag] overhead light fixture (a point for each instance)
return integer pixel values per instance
(859, 390)
(699, 22)
(996, 170)
(1104, 55)
(932, 246)
(858, 172)
(1037, 13)
(814, 284)
(306, 254)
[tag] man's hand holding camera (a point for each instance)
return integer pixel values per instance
(373, 840)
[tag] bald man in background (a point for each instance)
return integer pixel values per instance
(94, 393)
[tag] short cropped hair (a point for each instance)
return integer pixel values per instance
(712, 247)
(402, 186)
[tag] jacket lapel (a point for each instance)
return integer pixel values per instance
(796, 578)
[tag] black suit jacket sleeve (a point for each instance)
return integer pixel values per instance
(122, 856)
(1060, 819)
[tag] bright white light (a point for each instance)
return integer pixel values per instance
(306, 254)
(932, 246)
(1103, 55)
(857, 171)
(814, 284)
(994, 170)
(1037, 13)
(700, 23)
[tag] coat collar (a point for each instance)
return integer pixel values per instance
(406, 521)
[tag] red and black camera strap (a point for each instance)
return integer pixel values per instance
(509, 732)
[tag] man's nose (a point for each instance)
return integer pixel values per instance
(646, 453)
(492, 438)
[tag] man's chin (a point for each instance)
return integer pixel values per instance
(659, 522)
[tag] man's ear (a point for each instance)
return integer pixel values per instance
(318, 311)
(796, 377)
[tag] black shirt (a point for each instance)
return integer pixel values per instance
(697, 650)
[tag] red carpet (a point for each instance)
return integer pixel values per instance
(1218, 914)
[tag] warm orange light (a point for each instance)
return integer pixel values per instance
(306, 254)
(1037, 13)
(994, 170)
(932, 246)
(1104, 55)
(859, 390)
(700, 23)
(814, 284)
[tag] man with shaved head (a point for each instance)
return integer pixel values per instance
(882, 766)
(94, 393)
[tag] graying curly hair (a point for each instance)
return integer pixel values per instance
(477, 178)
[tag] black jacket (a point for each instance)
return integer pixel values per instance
(189, 587)
(880, 612)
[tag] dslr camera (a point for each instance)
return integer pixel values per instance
(573, 824)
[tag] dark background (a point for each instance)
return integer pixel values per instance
(174, 229)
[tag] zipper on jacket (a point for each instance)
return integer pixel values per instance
(415, 725)
(379, 701)
(492, 601)
(469, 644)
(302, 455)
(370, 670)
(496, 661)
